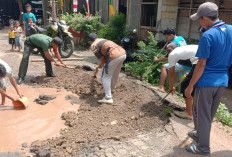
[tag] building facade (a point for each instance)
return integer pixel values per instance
(157, 15)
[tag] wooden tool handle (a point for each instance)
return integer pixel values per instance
(171, 91)
(144, 74)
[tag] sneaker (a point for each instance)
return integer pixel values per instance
(106, 101)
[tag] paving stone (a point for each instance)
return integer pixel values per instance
(138, 143)
(122, 151)
(133, 153)
(109, 155)
(144, 147)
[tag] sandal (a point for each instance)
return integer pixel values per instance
(192, 134)
(157, 88)
(193, 149)
(181, 115)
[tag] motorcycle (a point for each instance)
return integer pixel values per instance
(37, 7)
(59, 29)
(128, 43)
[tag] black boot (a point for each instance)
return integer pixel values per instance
(51, 75)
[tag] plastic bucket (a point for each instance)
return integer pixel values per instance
(21, 102)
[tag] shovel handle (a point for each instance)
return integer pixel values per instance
(162, 49)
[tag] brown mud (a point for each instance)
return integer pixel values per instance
(136, 109)
(37, 122)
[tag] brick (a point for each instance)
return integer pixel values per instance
(164, 8)
(163, 14)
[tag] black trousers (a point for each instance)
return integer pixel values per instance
(186, 81)
(28, 47)
(230, 77)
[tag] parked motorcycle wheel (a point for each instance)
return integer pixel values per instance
(67, 48)
(11, 21)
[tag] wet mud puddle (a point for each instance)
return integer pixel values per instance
(37, 122)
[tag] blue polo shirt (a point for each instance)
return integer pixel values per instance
(180, 41)
(216, 46)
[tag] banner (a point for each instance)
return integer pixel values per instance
(61, 3)
(111, 7)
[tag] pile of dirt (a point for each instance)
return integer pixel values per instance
(136, 109)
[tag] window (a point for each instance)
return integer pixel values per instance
(123, 7)
(149, 12)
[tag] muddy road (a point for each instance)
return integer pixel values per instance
(135, 110)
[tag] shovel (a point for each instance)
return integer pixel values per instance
(144, 74)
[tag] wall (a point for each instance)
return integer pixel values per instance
(192, 30)
(185, 30)
(102, 7)
(134, 15)
(166, 16)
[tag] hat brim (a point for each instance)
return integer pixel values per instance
(194, 17)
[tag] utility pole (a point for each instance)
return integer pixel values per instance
(45, 9)
(53, 10)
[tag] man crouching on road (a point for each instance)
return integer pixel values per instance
(43, 43)
(111, 58)
(5, 71)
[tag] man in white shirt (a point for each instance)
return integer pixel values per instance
(5, 71)
(186, 56)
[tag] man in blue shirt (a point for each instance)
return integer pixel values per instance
(210, 74)
(171, 37)
(27, 15)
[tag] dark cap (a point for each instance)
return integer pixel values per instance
(92, 37)
(57, 41)
(205, 9)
